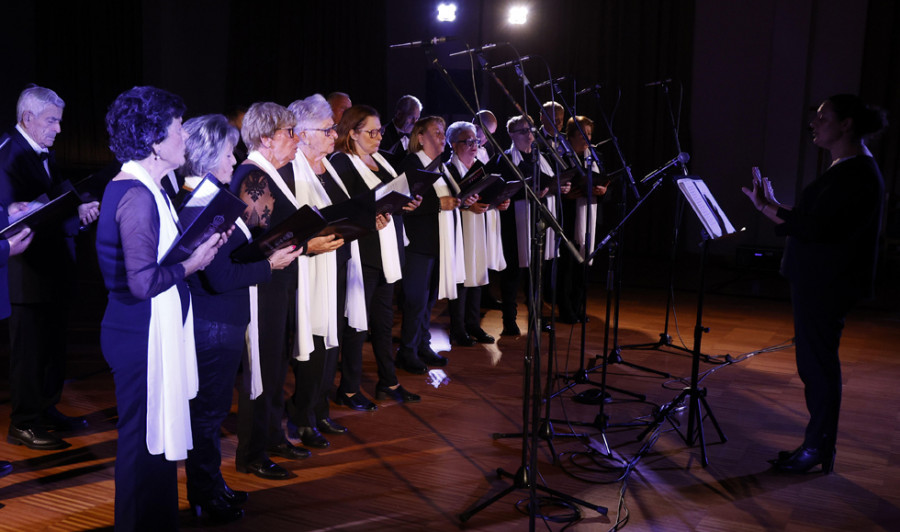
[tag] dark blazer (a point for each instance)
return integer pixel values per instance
(4, 259)
(46, 271)
(422, 224)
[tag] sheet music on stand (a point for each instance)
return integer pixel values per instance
(705, 206)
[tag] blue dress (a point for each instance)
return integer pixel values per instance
(127, 241)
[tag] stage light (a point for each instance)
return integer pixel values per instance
(518, 15)
(446, 12)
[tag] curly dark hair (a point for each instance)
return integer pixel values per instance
(140, 118)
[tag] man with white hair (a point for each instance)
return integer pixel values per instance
(42, 278)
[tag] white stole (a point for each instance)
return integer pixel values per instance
(451, 262)
(522, 209)
(387, 236)
(583, 213)
(303, 343)
(323, 267)
(474, 248)
(171, 357)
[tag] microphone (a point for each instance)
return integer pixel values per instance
(660, 82)
(592, 88)
(417, 44)
(473, 50)
(548, 82)
(681, 159)
(511, 63)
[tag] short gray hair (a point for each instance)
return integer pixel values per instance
(310, 111)
(514, 121)
(36, 99)
(209, 136)
(406, 104)
(456, 129)
(263, 119)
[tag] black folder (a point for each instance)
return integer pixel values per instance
(296, 230)
(353, 218)
(42, 211)
(476, 181)
(208, 209)
(500, 191)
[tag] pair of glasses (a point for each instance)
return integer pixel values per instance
(373, 132)
(290, 130)
(468, 142)
(520, 130)
(326, 131)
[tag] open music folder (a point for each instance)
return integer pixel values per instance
(705, 205)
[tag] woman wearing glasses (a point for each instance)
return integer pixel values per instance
(361, 168)
(282, 309)
(482, 244)
(339, 304)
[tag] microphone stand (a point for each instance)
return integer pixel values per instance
(526, 476)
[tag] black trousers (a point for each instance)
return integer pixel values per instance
(37, 360)
(380, 313)
(465, 310)
(259, 420)
(220, 347)
(420, 290)
(819, 314)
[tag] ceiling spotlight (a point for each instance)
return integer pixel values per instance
(446, 12)
(518, 15)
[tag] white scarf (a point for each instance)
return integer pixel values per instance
(387, 236)
(523, 217)
(474, 248)
(323, 267)
(482, 155)
(583, 214)
(171, 357)
(451, 262)
(303, 343)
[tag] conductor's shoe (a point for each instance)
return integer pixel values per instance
(35, 438)
(265, 468)
(287, 450)
(53, 419)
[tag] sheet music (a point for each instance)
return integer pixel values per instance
(706, 207)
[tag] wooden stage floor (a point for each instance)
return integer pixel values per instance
(418, 467)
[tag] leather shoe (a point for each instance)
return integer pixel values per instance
(35, 438)
(805, 459)
(311, 437)
(433, 359)
(218, 510)
(234, 497)
(399, 394)
(5, 468)
(288, 450)
(416, 367)
(53, 419)
(481, 337)
(462, 340)
(330, 426)
(510, 329)
(357, 401)
(265, 468)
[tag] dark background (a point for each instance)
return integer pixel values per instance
(745, 76)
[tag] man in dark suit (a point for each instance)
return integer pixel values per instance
(40, 279)
(395, 139)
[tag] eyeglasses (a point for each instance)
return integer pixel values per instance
(468, 142)
(520, 131)
(326, 131)
(374, 132)
(290, 130)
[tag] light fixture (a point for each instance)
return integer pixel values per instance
(446, 12)
(518, 15)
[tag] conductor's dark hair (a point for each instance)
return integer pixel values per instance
(868, 120)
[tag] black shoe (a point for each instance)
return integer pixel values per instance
(288, 450)
(805, 459)
(416, 367)
(234, 497)
(265, 468)
(5, 468)
(433, 359)
(218, 510)
(510, 329)
(53, 419)
(462, 340)
(357, 401)
(330, 426)
(481, 337)
(399, 394)
(311, 437)
(35, 438)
